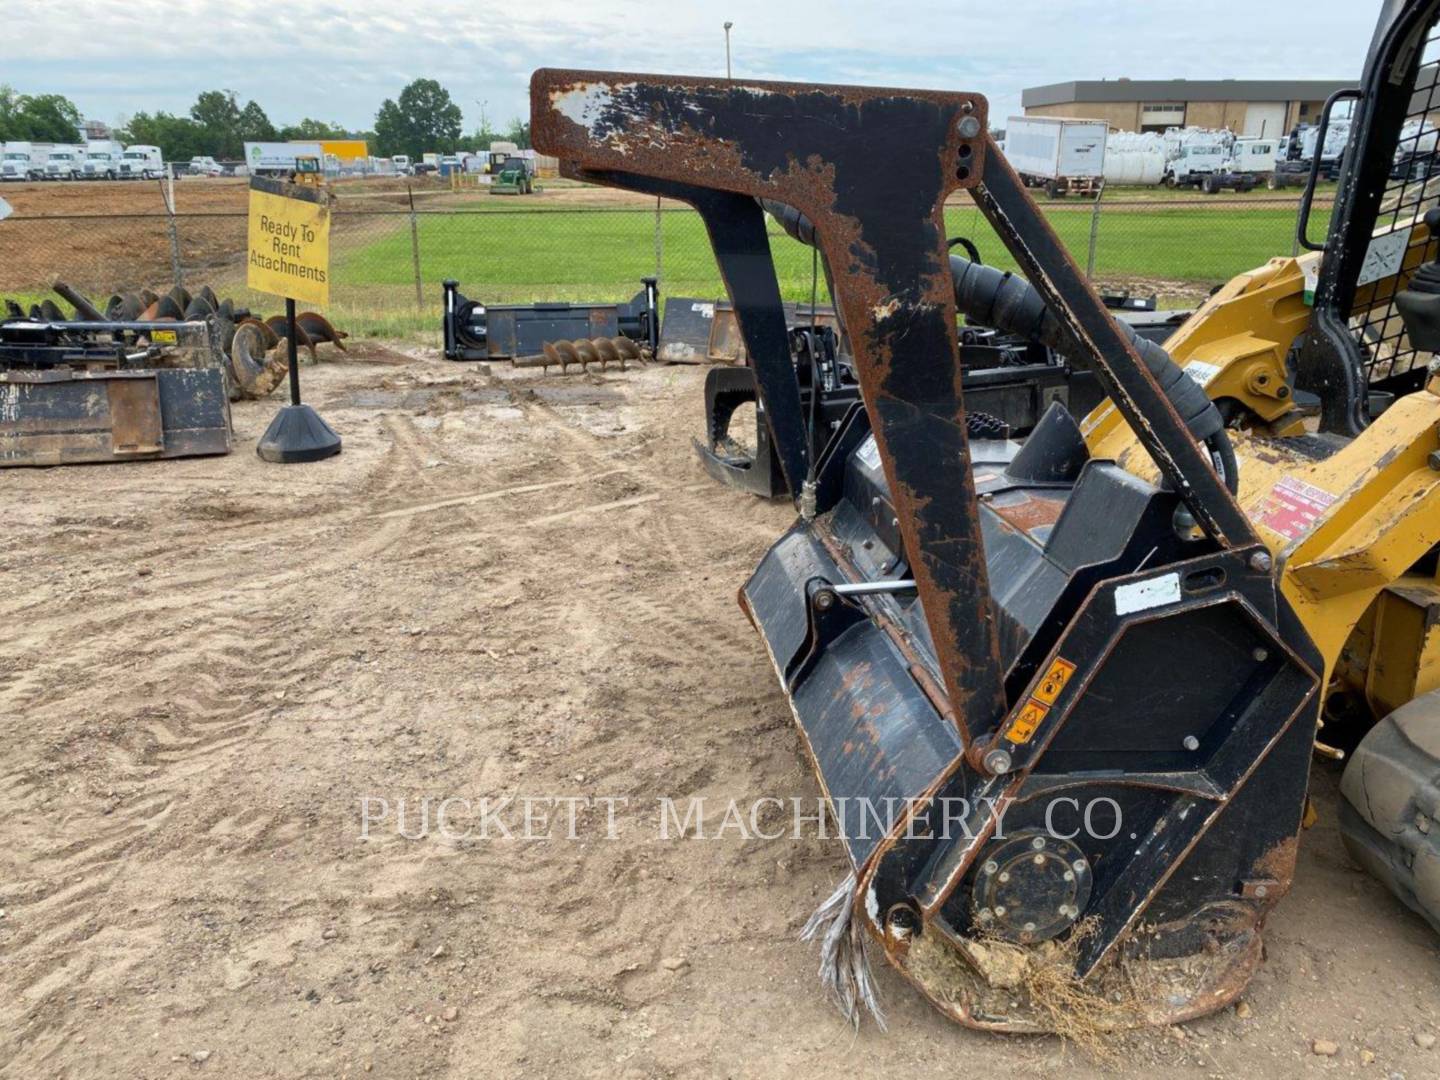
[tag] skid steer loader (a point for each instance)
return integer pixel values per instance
(1062, 697)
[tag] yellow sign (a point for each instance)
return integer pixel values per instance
(289, 241)
(1023, 729)
(1054, 681)
(1037, 707)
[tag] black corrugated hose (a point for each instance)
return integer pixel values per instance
(999, 299)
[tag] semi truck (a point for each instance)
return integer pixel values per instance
(142, 162)
(1062, 155)
(65, 162)
(24, 160)
(102, 160)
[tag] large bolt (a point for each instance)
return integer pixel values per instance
(997, 761)
(1261, 561)
(969, 127)
(824, 600)
(1190, 742)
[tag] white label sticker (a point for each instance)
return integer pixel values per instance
(1383, 257)
(869, 453)
(1143, 595)
(1202, 372)
(1310, 270)
(5, 209)
(706, 310)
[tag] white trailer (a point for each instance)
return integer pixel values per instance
(278, 158)
(102, 159)
(24, 160)
(142, 162)
(1060, 154)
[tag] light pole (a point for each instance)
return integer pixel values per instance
(728, 25)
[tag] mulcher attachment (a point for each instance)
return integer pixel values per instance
(1062, 715)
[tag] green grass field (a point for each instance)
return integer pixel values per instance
(515, 254)
(514, 250)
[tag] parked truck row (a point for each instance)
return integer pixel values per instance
(104, 159)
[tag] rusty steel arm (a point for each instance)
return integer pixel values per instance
(872, 168)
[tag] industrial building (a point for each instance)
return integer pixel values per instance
(1245, 106)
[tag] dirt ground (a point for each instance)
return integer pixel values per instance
(508, 584)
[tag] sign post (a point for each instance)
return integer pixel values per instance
(289, 256)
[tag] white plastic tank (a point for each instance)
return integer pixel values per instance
(1136, 167)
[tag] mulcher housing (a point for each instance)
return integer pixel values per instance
(960, 626)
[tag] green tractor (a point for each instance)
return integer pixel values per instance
(515, 177)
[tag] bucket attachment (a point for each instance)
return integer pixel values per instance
(1062, 715)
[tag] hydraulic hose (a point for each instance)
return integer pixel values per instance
(1000, 299)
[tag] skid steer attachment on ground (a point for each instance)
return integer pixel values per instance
(1062, 714)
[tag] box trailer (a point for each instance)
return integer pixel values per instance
(1060, 154)
(277, 158)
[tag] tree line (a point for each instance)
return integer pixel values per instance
(422, 118)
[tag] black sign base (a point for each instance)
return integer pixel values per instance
(297, 434)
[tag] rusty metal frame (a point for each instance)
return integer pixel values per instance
(872, 169)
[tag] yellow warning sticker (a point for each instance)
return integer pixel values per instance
(1022, 730)
(1054, 681)
(164, 337)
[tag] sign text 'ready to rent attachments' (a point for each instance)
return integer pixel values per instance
(289, 241)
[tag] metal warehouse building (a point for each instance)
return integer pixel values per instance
(1249, 107)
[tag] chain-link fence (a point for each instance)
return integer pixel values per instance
(392, 247)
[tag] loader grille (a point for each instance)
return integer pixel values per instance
(1413, 188)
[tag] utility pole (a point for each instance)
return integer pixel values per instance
(728, 25)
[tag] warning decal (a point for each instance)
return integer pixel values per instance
(1054, 681)
(1023, 729)
(1293, 506)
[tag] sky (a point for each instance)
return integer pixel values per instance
(337, 61)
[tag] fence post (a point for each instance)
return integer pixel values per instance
(415, 249)
(1094, 234)
(659, 242)
(167, 196)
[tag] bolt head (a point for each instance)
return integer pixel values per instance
(824, 600)
(1190, 742)
(969, 127)
(1434, 460)
(997, 761)
(1261, 655)
(1261, 561)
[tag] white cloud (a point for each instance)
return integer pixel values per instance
(337, 61)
